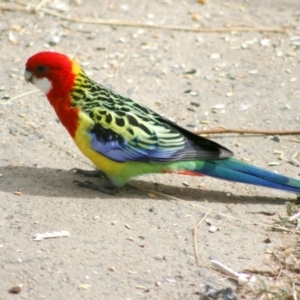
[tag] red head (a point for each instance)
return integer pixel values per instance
(53, 73)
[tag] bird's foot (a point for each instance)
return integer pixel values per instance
(106, 189)
(89, 173)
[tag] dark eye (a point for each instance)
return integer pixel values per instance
(40, 69)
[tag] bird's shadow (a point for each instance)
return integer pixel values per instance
(59, 183)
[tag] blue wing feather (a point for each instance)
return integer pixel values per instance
(190, 146)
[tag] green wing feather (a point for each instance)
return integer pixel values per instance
(127, 131)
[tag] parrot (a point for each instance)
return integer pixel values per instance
(125, 139)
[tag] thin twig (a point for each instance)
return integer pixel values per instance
(12, 7)
(280, 264)
(126, 23)
(248, 131)
(294, 291)
(293, 140)
(19, 96)
(195, 237)
(39, 6)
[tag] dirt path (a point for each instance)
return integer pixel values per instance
(139, 244)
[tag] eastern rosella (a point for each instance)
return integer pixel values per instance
(125, 139)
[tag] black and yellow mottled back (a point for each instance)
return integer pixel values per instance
(124, 130)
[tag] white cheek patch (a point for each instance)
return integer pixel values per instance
(44, 84)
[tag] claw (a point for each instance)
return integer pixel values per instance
(108, 189)
(89, 173)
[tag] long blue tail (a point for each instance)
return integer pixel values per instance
(235, 170)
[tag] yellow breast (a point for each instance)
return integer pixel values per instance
(84, 142)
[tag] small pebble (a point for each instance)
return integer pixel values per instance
(195, 17)
(124, 7)
(141, 287)
(292, 38)
(192, 71)
(208, 221)
(15, 289)
(213, 229)
(84, 286)
(191, 109)
(229, 94)
(215, 56)
(274, 163)
(219, 106)
(265, 42)
(296, 43)
(253, 72)
(293, 160)
(276, 138)
(55, 39)
(191, 92)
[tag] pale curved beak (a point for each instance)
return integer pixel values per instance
(28, 75)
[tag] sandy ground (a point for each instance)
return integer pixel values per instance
(139, 244)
